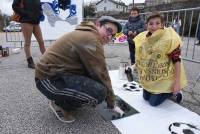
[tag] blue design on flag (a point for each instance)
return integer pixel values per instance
(59, 10)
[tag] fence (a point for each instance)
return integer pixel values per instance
(190, 18)
(188, 31)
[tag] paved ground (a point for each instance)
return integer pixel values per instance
(24, 110)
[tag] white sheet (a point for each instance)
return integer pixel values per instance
(150, 120)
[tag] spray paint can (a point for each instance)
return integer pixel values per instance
(122, 66)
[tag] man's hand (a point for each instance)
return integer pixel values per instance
(119, 111)
(110, 102)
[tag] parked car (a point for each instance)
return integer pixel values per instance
(13, 28)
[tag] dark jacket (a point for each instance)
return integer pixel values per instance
(79, 52)
(134, 24)
(30, 11)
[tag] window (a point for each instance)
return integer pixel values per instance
(116, 6)
(104, 8)
(105, 1)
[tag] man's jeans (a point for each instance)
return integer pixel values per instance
(72, 91)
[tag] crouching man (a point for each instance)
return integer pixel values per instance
(73, 73)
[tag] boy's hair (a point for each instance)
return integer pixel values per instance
(155, 14)
(134, 8)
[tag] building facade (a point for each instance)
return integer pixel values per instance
(138, 5)
(159, 2)
(110, 5)
(156, 2)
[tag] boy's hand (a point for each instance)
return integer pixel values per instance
(176, 87)
(130, 33)
(134, 33)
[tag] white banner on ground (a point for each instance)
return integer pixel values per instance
(167, 118)
(60, 17)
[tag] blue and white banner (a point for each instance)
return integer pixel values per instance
(60, 17)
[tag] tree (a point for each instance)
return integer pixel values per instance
(1, 21)
(89, 11)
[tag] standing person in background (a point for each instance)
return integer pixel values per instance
(158, 62)
(133, 27)
(177, 24)
(30, 12)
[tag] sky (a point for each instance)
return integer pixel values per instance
(6, 5)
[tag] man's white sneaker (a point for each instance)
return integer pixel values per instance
(61, 114)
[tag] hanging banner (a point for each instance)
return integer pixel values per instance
(60, 17)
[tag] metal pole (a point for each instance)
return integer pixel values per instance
(133, 2)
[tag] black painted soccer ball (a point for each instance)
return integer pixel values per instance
(132, 86)
(183, 128)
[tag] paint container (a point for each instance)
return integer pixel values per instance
(16, 50)
(128, 72)
(5, 52)
(122, 67)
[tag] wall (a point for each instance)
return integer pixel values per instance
(110, 6)
(173, 6)
(163, 7)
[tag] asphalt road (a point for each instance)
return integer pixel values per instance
(24, 110)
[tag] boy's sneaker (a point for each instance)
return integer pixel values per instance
(178, 97)
(62, 115)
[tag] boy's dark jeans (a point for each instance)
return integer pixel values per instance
(132, 51)
(155, 99)
(72, 91)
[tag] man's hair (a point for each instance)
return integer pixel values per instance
(155, 14)
(109, 19)
(103, 23)
(134, 8)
